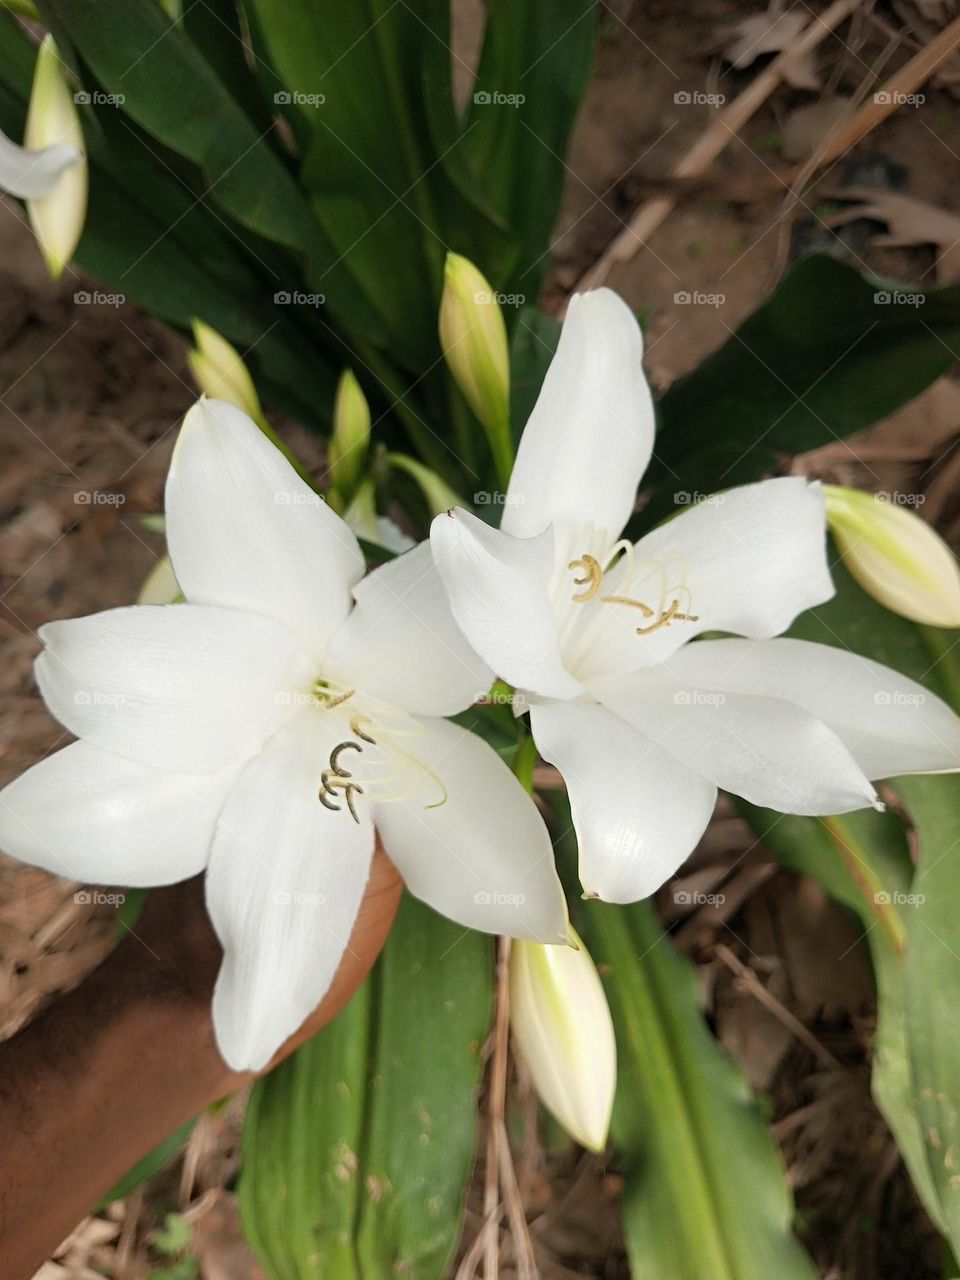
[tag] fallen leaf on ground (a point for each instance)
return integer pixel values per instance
(806, 128)
(909, 222)
(773, 32)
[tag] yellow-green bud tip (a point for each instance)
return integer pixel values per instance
(52, 118)
(895, 556)
(220, 372)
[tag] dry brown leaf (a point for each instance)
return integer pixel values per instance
(773, 32)
(925, 19)
(909, 222)
(806, 128)
(218, 1242)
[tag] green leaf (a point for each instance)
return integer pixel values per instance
(705, 1196)
(215, 29)
(532, 346)
(150, 1164)
(818, 361)
(174, 1236)
(532, 73)
(863, 861)
(933, 982)
(352, 73)
(134, 50)
(931, 997)
(357, 1150)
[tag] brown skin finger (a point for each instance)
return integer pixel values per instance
(113, 1068)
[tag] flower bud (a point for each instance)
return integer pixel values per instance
(351, 435)
(564, 1035)
(220, 373)
(895, 556)
(361, 516)
(160, 585)
(53, 122)
(474, 341)
(438, 494)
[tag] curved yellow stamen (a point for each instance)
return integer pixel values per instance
(592, 579)
(636, 604)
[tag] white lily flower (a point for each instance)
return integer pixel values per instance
(263, 729)
(594, 632)
(563, 1031)
(361, 516)
(30, 174)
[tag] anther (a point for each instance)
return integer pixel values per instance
(668, 616)
(592, 579)
(336, 778)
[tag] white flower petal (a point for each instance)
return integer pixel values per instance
(771, 752)
(747, 561)
(889, 723)
(483, 857)
(245, 531)
(284, 886)
(498, 591)
(31, 174)
(181, 687)
(638, 812)
(590, 436)
(400, 642)
(98, 818)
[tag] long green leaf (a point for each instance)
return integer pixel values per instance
(705, 1197)
(863, 861)
(820, 359)
(931, 997)
(171, 91)
(352, 72)
(532, 73)
(358, 1149)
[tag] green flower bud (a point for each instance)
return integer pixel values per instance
(350, 441)
(895, 556)
(57, 218)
